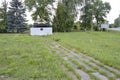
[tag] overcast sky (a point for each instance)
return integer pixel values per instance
(114, 13)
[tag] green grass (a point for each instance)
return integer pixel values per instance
(103, 46)
(24, 57)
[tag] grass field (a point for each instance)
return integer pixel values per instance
(103, 46)
(24, 57)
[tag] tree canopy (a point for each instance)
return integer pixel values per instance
(100, 11)
(63, 21)
(65, 15)
(39, 8)
(87, 15)
(93, 13)
(94, 10)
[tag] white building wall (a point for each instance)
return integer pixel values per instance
(41, 31)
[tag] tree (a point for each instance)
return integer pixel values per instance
(94, 10)
(39, 7)
(87, 16)
(3, 16)
(65, 15)
(71, 6)
(117, 22)
(101, 9)
(16, 17)
(63, 21)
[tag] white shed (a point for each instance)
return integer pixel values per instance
(41, 31)
(41, 27)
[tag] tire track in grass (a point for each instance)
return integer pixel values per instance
(70, 72)
(87, 67)
(94, 66)
(85, 76)
(82, 74)
(107, 70)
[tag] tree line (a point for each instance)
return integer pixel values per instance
(116, 22)
(93, 13)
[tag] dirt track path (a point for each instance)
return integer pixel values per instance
(83, 66)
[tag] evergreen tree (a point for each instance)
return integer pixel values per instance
(63, 21)
(16, 17)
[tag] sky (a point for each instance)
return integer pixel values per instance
(115, 10)
(114, 13)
